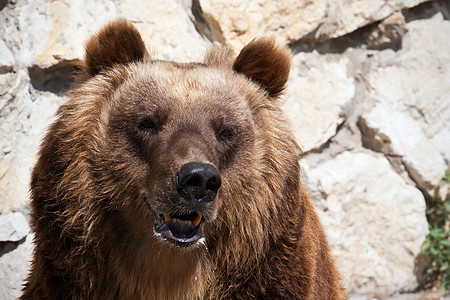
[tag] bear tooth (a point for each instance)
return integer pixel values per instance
(167, 218)
(196, 220)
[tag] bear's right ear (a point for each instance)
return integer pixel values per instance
(119, 42)
(266, 63)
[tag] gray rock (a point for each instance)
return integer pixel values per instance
(20, 140)
(166, 29)
(14, 267)
(375, 221)
(317, 93)
(412, 103)
(387, 33)
(235, 23)
(347, 16)
(7, 59)
(14, 227)
(48, 32)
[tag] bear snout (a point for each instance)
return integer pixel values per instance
(198, 182)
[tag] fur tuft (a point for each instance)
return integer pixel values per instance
(219, 56)
(265, 63)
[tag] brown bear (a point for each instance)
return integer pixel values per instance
(166, 180)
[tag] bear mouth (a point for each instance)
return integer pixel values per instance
(182, 230)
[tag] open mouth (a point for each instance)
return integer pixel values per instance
(183, 230)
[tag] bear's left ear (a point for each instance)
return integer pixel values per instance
(119, 42)
(266, 63)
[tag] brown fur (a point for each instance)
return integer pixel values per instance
(97, 168)
(265, 63)
(122, 45)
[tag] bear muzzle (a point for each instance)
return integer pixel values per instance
(197, 184)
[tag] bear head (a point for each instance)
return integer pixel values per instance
(180, 149)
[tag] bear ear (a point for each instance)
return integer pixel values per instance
(266, 63)
(119, 42)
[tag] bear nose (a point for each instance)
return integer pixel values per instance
(198, 181)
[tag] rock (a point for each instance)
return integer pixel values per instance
(7, 60)
(166, 29)
(387, 33)
(20, 140)
(317, 93)
(235, 23)
(14, 227)
(343, 16)
(412, 103)
(48, 32)
(375, 221)
(401, 135)
(14, 266)
(421, 295)
(12, 86)
(51, 32)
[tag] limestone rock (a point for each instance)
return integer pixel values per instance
(14, 266)
(7, 59)
(44, 33)
(387, 33)
(375, 221)
(346, 16)
(166, 29)
(20, 140)
(14, 227)
(235, 23)
(49, 32)
(412, 103)
(317, 93)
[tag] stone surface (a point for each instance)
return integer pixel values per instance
(7, 59)
(14, 227)
(422, 295)
(14, 267)
(412, 103)
(375, 221)
(346, 16)
(236, 22)
(45, 33)
(387, 33)
(20, 139)
(166, 29)
(317, 93)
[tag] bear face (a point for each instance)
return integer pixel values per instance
(174, 117)
(169, 119)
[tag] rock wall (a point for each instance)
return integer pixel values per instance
(368, 98)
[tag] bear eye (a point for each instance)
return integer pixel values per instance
(149, 125)
(225, 133)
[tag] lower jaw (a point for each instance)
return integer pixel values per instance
(162, 230)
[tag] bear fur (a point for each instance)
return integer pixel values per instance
(108, 172)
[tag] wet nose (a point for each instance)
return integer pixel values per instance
(198, 181)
